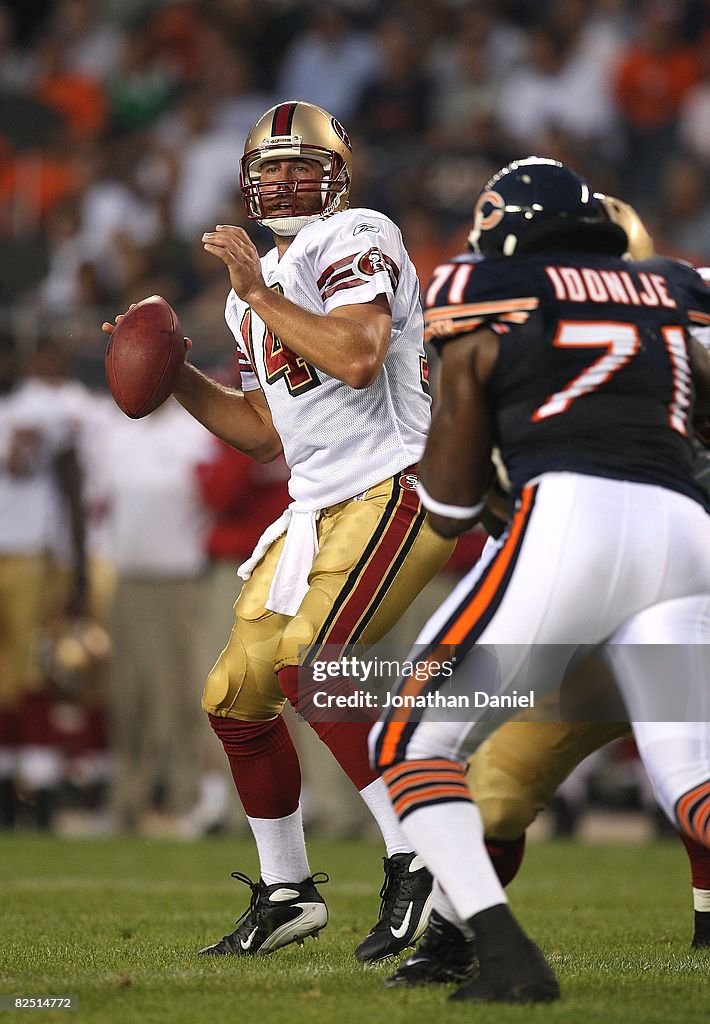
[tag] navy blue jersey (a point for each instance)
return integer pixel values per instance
(593, 374)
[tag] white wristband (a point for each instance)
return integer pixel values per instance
(450, 511)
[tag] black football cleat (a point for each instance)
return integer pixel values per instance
(276, 916)
(512, 968)
(404, 910)
(701, 933)
(444, 955)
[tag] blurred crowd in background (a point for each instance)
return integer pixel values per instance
(122, 123)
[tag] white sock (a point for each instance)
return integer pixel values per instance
(377, 799)
(701, 899)
(282, 848)
(441, 903)
(450, 839)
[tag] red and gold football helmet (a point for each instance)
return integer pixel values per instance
(288, 131)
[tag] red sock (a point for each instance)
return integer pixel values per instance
(9, 727)
(699, 857)
(507, 856)
(346, 740)
(264, 765)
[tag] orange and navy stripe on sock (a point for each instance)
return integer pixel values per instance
(416, 784)
(692, 813)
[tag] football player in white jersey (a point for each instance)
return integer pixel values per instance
(330, 336)
(40, 479)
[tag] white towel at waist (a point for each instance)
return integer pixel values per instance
(290, 582)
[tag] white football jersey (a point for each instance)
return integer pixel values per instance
(35, 427)
(339, 441)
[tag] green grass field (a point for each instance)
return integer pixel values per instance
(117, 922)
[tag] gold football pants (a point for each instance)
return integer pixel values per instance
(515, 773)
(22, 587)
(375, 555)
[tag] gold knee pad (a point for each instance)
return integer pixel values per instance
(515, 773)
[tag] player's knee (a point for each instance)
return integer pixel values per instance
(224, 683)
(505, 817)
(241, 686)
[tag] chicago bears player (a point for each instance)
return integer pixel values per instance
(330, 336)
(579, 367)
(515, 773)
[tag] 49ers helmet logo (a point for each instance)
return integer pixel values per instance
(489, 211)
(340, 132)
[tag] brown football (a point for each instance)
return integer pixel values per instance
(144, 356)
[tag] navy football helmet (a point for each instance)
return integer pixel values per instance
(539, 204)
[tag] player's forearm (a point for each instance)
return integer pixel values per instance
(340, 346)
(227, 414)
(452, 499)
(456, 466)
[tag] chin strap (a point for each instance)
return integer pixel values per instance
(287, 227)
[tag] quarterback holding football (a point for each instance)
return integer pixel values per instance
(329, 331)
